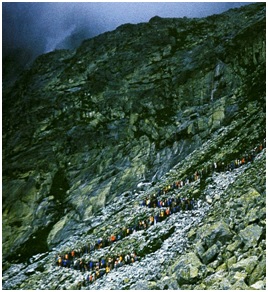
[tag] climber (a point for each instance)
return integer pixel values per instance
(116, 263)
(73, 254)
(162, 215)
(128, 231)
(82, 266)
(86, 279)
(151, 220)
(97, 274)
(107, 269)
(134, 257)
(143, 203)
(102, 271)
(127, 259)
(120, 261)
(156, 218)
(102, 263)
(99, 243)
(66, 263)
(110, 263)
(92, 277)
(59, 260)
(90, 265)
(168, 211)
(144, 225)
(159, 202)
(77, 264)
(232, 166)
(148, 203)
(173, 206)
(154, 201)
(113, 238)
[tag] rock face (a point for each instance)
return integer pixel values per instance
(89, 133)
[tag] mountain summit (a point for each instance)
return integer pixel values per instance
(171, 111)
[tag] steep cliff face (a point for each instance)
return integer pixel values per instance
(80, 128)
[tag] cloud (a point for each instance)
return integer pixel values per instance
(40, 27)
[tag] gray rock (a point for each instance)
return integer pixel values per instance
(188, 269)
(210, 254)
(246, 265)
(218, 231)
(251, 235)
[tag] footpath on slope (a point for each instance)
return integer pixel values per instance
(176, 242)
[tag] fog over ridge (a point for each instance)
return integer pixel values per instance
(45, 26)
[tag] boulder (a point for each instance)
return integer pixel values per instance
(217, 280)
(210, 254)
(218, 231)
(189, 269)
(247, 265)
(251, 235)
(260, 285)
(258, 272)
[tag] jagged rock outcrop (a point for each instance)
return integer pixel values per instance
(148, 103)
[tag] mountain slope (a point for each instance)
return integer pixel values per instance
(153, 102)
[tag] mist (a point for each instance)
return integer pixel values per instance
(30, 29)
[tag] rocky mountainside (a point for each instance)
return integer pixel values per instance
(88, 134)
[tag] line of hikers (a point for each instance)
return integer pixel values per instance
(173, 205)
(97, 268)
(94, 269)
(205, 171)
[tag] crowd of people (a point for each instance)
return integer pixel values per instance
(219, 166)
(168, 205)
(94, 269)
(163, 207)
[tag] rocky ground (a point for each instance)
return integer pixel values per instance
(88, 133)
(205, 248)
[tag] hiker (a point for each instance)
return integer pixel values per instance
(156, 218)
(82, 265)
(127, 259)
(92, 278)
(59, 261)
(102, 263)
(113, 238)
(173, 206)
(159, 202)
(73, 254)
(76, 265)
(99, 243)
(162, 215)
(154, 201)
(232, 166)
(134, 257)
(151, 220)
(90, 265)
(110, 263)
(66, 263)
(148, 203)
(143, 203)
(107, 269)
(102, 271)
(168, 212)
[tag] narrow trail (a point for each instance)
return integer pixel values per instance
(150, 265)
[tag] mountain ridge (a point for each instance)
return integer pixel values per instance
(151, 102)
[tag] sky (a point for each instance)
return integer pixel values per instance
(41, 27)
